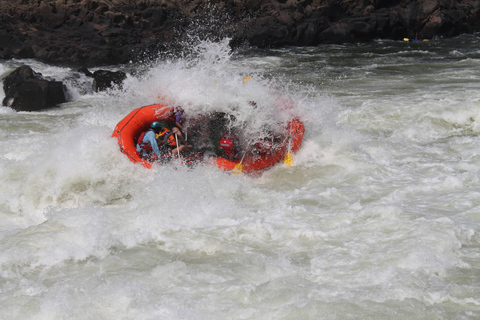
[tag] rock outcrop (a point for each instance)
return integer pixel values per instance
(26, 90)
(104, 79)
(105, 32)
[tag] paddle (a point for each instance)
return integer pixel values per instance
(178, 147)
(288, 157)
(238, 168)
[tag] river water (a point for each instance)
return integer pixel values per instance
(378, 217)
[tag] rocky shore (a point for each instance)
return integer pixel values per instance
(107, 32)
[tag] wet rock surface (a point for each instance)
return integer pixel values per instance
(27, 90)
(102, 32)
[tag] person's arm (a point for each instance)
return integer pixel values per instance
(150, 137)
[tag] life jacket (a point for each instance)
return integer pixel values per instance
(144, 145)
(227, 144)
(173, 118)
(166, 137)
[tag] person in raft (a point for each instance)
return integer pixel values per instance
(167, 141)
(147, 146)
(176, 120)
(230, 145)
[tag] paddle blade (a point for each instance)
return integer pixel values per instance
(237, 170)
(288, 159)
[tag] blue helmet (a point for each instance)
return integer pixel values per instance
(156, 126)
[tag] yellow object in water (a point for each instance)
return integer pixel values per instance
(288, 159)
(237, 170)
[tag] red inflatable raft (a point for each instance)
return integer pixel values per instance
(129, 129)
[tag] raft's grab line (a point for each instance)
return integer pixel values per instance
(129, 129)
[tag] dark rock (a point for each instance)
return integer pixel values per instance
(338, 33)
(104, 79)
(26, 90)
(85, 71)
